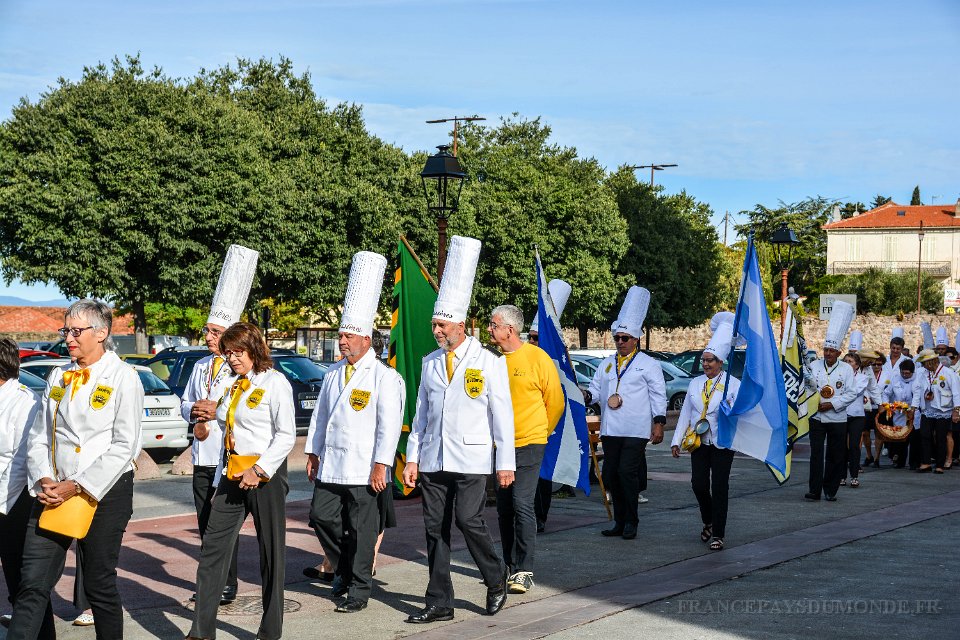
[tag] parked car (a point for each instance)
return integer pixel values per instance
(37, 384)
(689, 361)
(175, 364)
(163, 427)
(136, 358)
(677, 380)
(42, 367)
(26, 355)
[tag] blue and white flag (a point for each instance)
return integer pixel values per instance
(567, 457)
(756, 424)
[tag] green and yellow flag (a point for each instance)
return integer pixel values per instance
(801, 402)
(414, 294)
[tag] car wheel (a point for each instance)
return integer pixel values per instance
(676, 402)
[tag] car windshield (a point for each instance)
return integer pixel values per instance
(32, 381)
(152, 385)
(299, 368)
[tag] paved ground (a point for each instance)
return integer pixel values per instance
(879, 563)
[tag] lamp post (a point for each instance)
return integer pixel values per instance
(442, 180)
(919, 263)
(783, 240)
(652, 167)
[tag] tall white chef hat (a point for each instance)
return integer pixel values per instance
(722, 340)
(856, 340)
(840, 319)
(927, 335)
(956, 341)
(363, 293)
(896, 333)
(942, 336)
(233, 288)
(456, 287)
(559, 293)
(632, 313)
(724, 317)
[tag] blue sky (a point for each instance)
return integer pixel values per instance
(756, 101)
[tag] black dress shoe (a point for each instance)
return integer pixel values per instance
(830, 498)
(351, 605)
(811, 496)
(497, 595)
(315, 574)
(339, 587)
(629, 531)
(617, 530)
(229, 594)
(430, 614)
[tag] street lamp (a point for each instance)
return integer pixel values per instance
(442, 180)
(783, 241)
(652, 167)
(919, 262)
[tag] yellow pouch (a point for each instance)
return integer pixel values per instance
(691, 440)
(238, 464)
(71, 518)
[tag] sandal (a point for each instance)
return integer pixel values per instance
(716, 544)
(707, 533)
(854, 483)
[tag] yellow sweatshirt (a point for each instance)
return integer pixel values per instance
(538, 402)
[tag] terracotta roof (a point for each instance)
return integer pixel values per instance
(48, 320)
(887, 216)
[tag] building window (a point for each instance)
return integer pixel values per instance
(889, 250)
(929, 248)
(853, 248)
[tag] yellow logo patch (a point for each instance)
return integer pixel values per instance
(100, 396)
(359, 399)
(253, 401)
(473, 382)
(609, 366)
(56, 393)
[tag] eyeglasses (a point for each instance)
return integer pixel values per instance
(493, 326)
(230, 353)
(215, 332)
(709, 360)
(622, 338)
(75, 332)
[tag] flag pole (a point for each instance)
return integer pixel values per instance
(413, 253)
(736, 315)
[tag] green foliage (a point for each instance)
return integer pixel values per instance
(729, 277)
(851, 209)
(673, 251)
(171, 320)
(915, 198)
(885, 293)
(285, 317)
(879, 201)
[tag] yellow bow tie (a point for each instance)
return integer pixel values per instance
(76, 379)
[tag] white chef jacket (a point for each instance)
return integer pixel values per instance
(202, 386)
(98, 430)
(644, 394)
(455, 432)
(900, 390)
(892, 370)
(840, 377)
(945, 385)
(19, 407)
(865, 386)
(693, 406)
(358, 423)
(263, 423)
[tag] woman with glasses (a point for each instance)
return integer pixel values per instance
(865, 387)
(879, 372)
(256, 417)
(696, 432)
(82, 444)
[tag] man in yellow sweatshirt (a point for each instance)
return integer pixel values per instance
(538, 405)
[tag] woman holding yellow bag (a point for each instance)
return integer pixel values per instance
(696, 432)
(256, 415)
(80, 468)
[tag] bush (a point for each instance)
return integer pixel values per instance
(885, 293)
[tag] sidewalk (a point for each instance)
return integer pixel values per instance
(880, 562)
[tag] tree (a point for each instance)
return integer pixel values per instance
(851, 209)
(915, 198)
(673, 250)
(879, 201)
(121, 186)
(883, 292)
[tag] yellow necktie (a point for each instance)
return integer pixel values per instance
(348, 372)
(449, 366)
(76, 379)
(241, 385)
(217, 363)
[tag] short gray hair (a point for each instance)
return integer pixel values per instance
(97, 313)
(510, 315)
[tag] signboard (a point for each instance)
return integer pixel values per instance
(827, 300)
(951, 300)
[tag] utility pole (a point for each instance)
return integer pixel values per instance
(726, 218)
(456, 126)
(652, 167)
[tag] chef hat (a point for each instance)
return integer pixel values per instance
(927, 335)
(236, 278)
(363, 293)
(942, 336)
(840, 318)
(632, 313)
(721, 341)
(559, 293)
(896, 333)
(856, 340)
(723, 317)
(456, 287)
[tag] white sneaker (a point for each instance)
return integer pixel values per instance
(83, 620)
(642, 500)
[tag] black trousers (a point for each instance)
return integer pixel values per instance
(13, 532)
(44, 555)
(456, 497)
(203, 491)
(855, 426)
(625, 475)
(542, 500)
(826, 471)
(346, 519)
(933, 434)
(710, 478)
(231, 505)
(515, 510)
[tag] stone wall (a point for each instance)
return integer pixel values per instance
(876, 333)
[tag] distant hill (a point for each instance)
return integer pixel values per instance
(13, 301)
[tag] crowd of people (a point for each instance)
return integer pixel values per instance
(67, 459)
